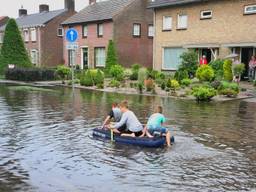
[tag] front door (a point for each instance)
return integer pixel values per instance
(85, 58)
(246, 54)
(208, 54)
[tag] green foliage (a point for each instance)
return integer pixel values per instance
(142, 75)
(203, 93)
(30, 74)
(205, 73)
(186, 82)
(92, 77)
(254, 83)
(86, 79)
(99, 78)
(227, 70)
(239, 69)
(13, 50)
(216, 84)
(63, 72)
(117, 72)
(140, 87)
(189, 62)
(228, 89)
(114, 83)
(181, 74)
(217, 66)
(163, 85)
(111, 55)
(135, 71)
(173, 84)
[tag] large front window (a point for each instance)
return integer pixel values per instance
(100, 57)
(171, 58)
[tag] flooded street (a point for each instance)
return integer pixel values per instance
(46, 144)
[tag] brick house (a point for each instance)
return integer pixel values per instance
(3, 21)
(215, 28)
(127, 22)
(43, 34)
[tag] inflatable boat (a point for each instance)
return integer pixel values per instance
(157, 141)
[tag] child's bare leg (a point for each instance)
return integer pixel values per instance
(144, 132)
(148, 134)
(128, 135)
(168, 138)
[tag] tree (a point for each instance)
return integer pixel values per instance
(189, 62)
(111, 55)
(13, 49)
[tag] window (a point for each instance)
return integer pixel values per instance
(167, 23)
(33, 34)
(1, 37)
(182, 21)
(34, 56)
(26, 35)
(150, 31)
(136, 30)
(71, 58)
(60, 32)
(100, 57)
(206, 14)
(171, 58)
(250, 9)
(85, 31)
(100, 30)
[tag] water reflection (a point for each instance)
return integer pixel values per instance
(46, 144)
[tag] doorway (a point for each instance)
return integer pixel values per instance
(208, 54)
(85, 58)
(246, 54)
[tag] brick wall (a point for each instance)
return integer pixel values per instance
(228, 25)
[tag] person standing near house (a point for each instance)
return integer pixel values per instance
(203, 60)
(252, 68)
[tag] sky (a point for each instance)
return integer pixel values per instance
(10, 7)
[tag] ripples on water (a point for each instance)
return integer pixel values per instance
(46, 145)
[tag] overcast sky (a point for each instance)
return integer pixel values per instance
(10, 7)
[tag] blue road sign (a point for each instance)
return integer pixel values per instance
(71, 35)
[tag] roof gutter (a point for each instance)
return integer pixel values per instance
(170, 4)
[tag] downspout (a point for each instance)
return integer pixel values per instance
(154, 39)
(39, 46)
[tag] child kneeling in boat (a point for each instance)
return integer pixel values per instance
(130, 121)
(115, 114)
(155, 125)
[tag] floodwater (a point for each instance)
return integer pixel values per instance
(46, 144)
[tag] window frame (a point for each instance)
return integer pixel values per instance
(202, 17)
(133, 27)
(163, 49)
(95, 57)
(249, 13)
(163, 24)
(26, 35)
(83, 31)
(178, 22)
(98, 30)
(153, 31)
(62, 32)
(37, 56)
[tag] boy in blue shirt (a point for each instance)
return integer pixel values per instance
(155, 124)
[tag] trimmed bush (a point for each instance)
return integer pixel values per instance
(117, 72)
(13, 49)
(186, 82)
(181, 74)
(30, 74)
(203, 93)
(173, 84)
(63, 72)
(227, 70)
(217, 66)
(205, 73)
(111, 55)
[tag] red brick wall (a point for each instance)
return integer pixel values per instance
(134, 50)
(91, 41)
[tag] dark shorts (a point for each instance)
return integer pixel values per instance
(153, 130)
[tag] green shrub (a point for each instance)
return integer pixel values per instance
(127, 73)
(228, 89)
(63, 72)
(239, 69)
(217, 66)
(228, 92)
(140, 87)
(173, 84)
(205, 73)
(111, 55)
(30, 74)
(181, 74)
(227, 70)
(203, 93)
(114, 83)
(135, 70)
(86, 79)
(117, 72)
(163, 85)
(254, 83)
(98, 78)
(153, 74)
(100, 86)
(216, 84)
(186, 82)
(189, 62)
(142, 75)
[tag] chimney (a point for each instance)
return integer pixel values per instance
(92, 2)
(70, 5)
(22, 12)
(43, 8)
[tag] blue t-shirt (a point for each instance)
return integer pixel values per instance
(156, 120)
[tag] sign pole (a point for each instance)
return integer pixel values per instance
(72, 70)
